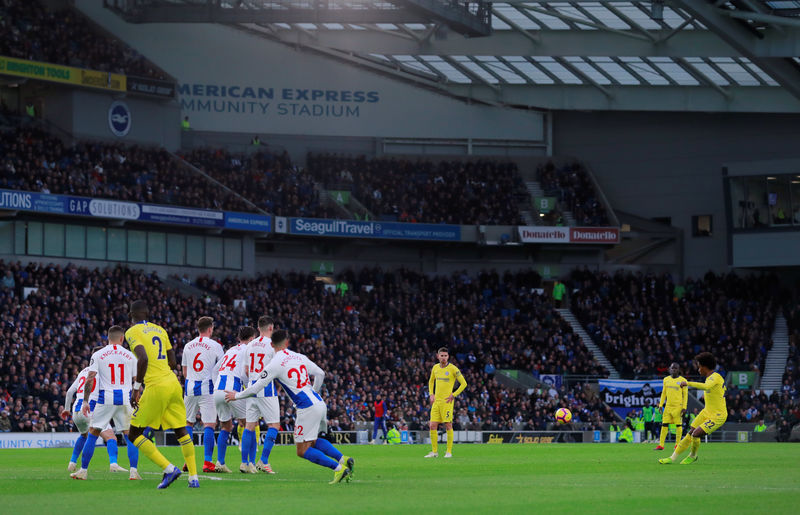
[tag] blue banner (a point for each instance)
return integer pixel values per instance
(624, 396)
(552, 379)
(123, 210)
(372, 229)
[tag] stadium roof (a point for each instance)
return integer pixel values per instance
(696, 55)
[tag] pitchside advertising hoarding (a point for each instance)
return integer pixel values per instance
(39, 440)
(359, 229)
(624, 396)
(595, 235)
(134, 211)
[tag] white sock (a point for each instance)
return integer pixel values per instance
(193, 478)
(170, 469)
(338, 467)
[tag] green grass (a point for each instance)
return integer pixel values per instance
(581, 478)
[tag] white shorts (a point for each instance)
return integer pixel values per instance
(80, 421)
(307, 422)
(104, 413)
(267, 408)
(202, 403)
(229, 410)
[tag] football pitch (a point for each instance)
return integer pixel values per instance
(560, 478)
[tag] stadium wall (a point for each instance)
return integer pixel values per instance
(670, 164)
(234, 81)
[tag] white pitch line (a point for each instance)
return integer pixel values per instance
(212, 478)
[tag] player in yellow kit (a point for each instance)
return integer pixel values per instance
(713, 415)
(440, 385)
(161, 405)
(673, 401)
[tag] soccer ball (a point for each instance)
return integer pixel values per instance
(563, 416)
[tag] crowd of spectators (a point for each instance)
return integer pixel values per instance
(644, 322)
(486, 192)
(572, 187)
(33, 32)
(268, 179)
(382, 340)
(34, 160)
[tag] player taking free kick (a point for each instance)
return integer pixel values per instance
(713, 415)
(161, 404)
(440, 385)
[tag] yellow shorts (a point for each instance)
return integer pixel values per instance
(161, 406)
(442, 411)
(709, 421)
(671, 416)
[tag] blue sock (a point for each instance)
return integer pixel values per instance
(222, 445)
(189, 430)
(326, 447)
(315, 456)
(253, 449)
(133, 453)
(88, 450)
(208, 443)
(269, 441)
(247, 441)
(113, 449)
(76, 451)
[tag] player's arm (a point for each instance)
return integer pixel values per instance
(70, 397)
(700, 386)
(266, 378)
(684, 400)
(431, 384)
(462, 384)
(184, 362)
(318, 373)
(663, 394)
(87, 391)
(141, 370)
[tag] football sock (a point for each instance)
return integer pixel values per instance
(76, 451)
(269, 442)
(208, 443)
(434, 440)
(239, 430)
(316, 456)
(222, 445)
(678, 432)
(189, 430)
(88, 450)
(133, 453)
(149, 449)
(328, 449)
(247, 442)
(148, 433)
(113, 449)
(253, 448)
(663, 438)
(449, 440)
(682, 446)
(257, 439)
(695, 446)
(187, 449)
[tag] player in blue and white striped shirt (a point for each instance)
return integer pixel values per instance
(200, 358)
(231, 375)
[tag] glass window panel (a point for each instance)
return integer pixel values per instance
(157, 248)
(137, 246)
(75, 241)
(195, 251)
(778, 199)
(233, 253)
(749, 202)
(795, 188)
(96, 242)
(20, 235)
(35, 232)
(214, 252)
(54, 240)
(176, 249)
(117, 245)
(6, 237)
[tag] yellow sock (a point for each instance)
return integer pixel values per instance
(258, 436)
(187, 449)
(239, 431)
(449, 441)
(663, 437)
(695, 446)
(149, 450)
(434, 440)
(678, 432)
(682, 446)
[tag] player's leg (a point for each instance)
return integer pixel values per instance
(87, 453)
(133, 457)
(316, 450)
(149, 414)
(174, 417)
(449, 428)
(122, 421)
(208, 413)
(436, 418)
(686, 442)
(82, 424)
(225, 411)
(101, 416)
(385, 432)
(666, 420)
(270, 410)
(112, 446)
(707, 427)
(374, 430)
(191, 404)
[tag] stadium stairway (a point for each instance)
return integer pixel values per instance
(777, 356)
(567, 315)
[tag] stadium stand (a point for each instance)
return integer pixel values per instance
(485, 192)
(32, 32)
(645, 322)
(571, 186)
